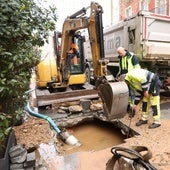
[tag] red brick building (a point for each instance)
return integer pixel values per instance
(131, 7)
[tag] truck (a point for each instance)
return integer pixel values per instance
(145, 34)
(66, 76)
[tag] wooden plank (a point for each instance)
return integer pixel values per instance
(44, 98)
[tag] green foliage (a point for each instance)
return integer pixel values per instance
(5, 129)
(24, 27)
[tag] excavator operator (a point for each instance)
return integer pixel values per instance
(74, 54)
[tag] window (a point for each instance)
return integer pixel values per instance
(131, 35)
(144, 5)
(161, 7)
(128, 12)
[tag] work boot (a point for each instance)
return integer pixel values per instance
(141, 122)
(154, 125)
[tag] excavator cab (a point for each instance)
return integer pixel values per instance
(62, 68)
(77, 55)
(75, 60)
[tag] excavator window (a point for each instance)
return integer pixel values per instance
(74, 54)
(77, 57)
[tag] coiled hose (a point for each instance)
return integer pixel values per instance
(132, 154)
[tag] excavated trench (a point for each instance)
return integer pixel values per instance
(88, 128)
(96, 135)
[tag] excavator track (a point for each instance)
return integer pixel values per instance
(44, 97)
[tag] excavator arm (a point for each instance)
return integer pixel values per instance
(113, 94)
(95, 30)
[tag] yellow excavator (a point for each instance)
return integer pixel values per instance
(62, 69)
(65, 68)
(58, 70)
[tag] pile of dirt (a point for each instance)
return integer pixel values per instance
(33, 132)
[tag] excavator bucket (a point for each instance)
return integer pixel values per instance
(115, 97)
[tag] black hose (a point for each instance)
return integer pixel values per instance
(133, 155)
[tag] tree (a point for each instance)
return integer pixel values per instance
(24, 26)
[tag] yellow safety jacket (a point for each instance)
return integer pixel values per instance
(137, 82)
(138, 79)
(128, 63)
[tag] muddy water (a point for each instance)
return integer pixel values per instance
(94, 136)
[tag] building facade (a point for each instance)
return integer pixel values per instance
(131, 7)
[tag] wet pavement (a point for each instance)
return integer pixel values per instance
(77, 161)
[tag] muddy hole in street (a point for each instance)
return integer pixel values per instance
(93, 136)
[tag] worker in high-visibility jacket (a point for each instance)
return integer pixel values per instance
(149, 85)
(127, 61)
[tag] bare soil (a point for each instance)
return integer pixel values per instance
(33, 132)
